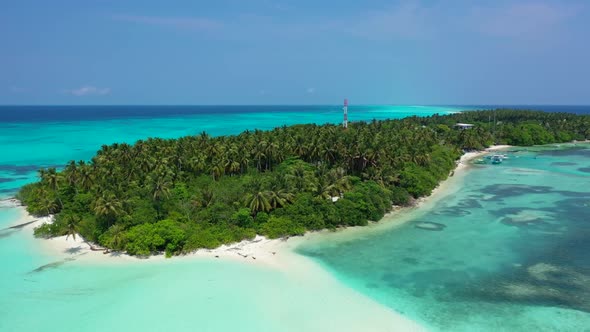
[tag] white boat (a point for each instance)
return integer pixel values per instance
(497, 159)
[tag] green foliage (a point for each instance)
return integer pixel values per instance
(370, 199)
(114, 238)
(202, 237)
(277, 227)
(179, 195)
(242, 218)
(140, 211)
(399, 196)
(146, 239)
(349, 213)
(417, 181)
(39, 200)
(46, 230)
(80, 203)
(261, 218)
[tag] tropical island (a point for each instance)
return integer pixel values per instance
(179, 195)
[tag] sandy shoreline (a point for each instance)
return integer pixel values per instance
(260, 250)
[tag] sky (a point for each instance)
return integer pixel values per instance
(412, 52)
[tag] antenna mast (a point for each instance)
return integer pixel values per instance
(345, 109)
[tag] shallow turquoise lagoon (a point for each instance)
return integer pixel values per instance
(512, 257)
(40, 294)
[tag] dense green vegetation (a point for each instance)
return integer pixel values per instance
(194, 192)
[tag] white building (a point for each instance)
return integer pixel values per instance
(464, 126)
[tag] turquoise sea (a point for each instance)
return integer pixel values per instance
(512, 257)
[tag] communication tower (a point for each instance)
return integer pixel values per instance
(345, 109)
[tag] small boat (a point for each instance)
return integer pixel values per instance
(480, 161)
(497, 159)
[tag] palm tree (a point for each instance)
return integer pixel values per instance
(147, 164)
(328, 153)
(108, 206)
(86, 178)
(72, 223)
(160, 189)
(203, 138)
(42, 173)
(51, 178)
(326, 189)
(217, 170)
(272, 153)
(300, 147)
(125, 153)
(117, 236)
(232, 163)
(279, 198)
(258, 202)
(300, 179)
(259, 154)
(205, 198)
(244, 161)
(213, 150)
(196, 163)
(71, 172)
(46, 202)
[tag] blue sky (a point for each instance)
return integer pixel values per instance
(294, 52)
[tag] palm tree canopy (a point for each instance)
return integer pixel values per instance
(178, 195)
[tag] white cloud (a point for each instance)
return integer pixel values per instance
(88, 91)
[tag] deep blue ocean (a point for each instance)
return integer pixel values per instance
(90, 113)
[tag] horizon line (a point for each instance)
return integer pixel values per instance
(230, 105)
